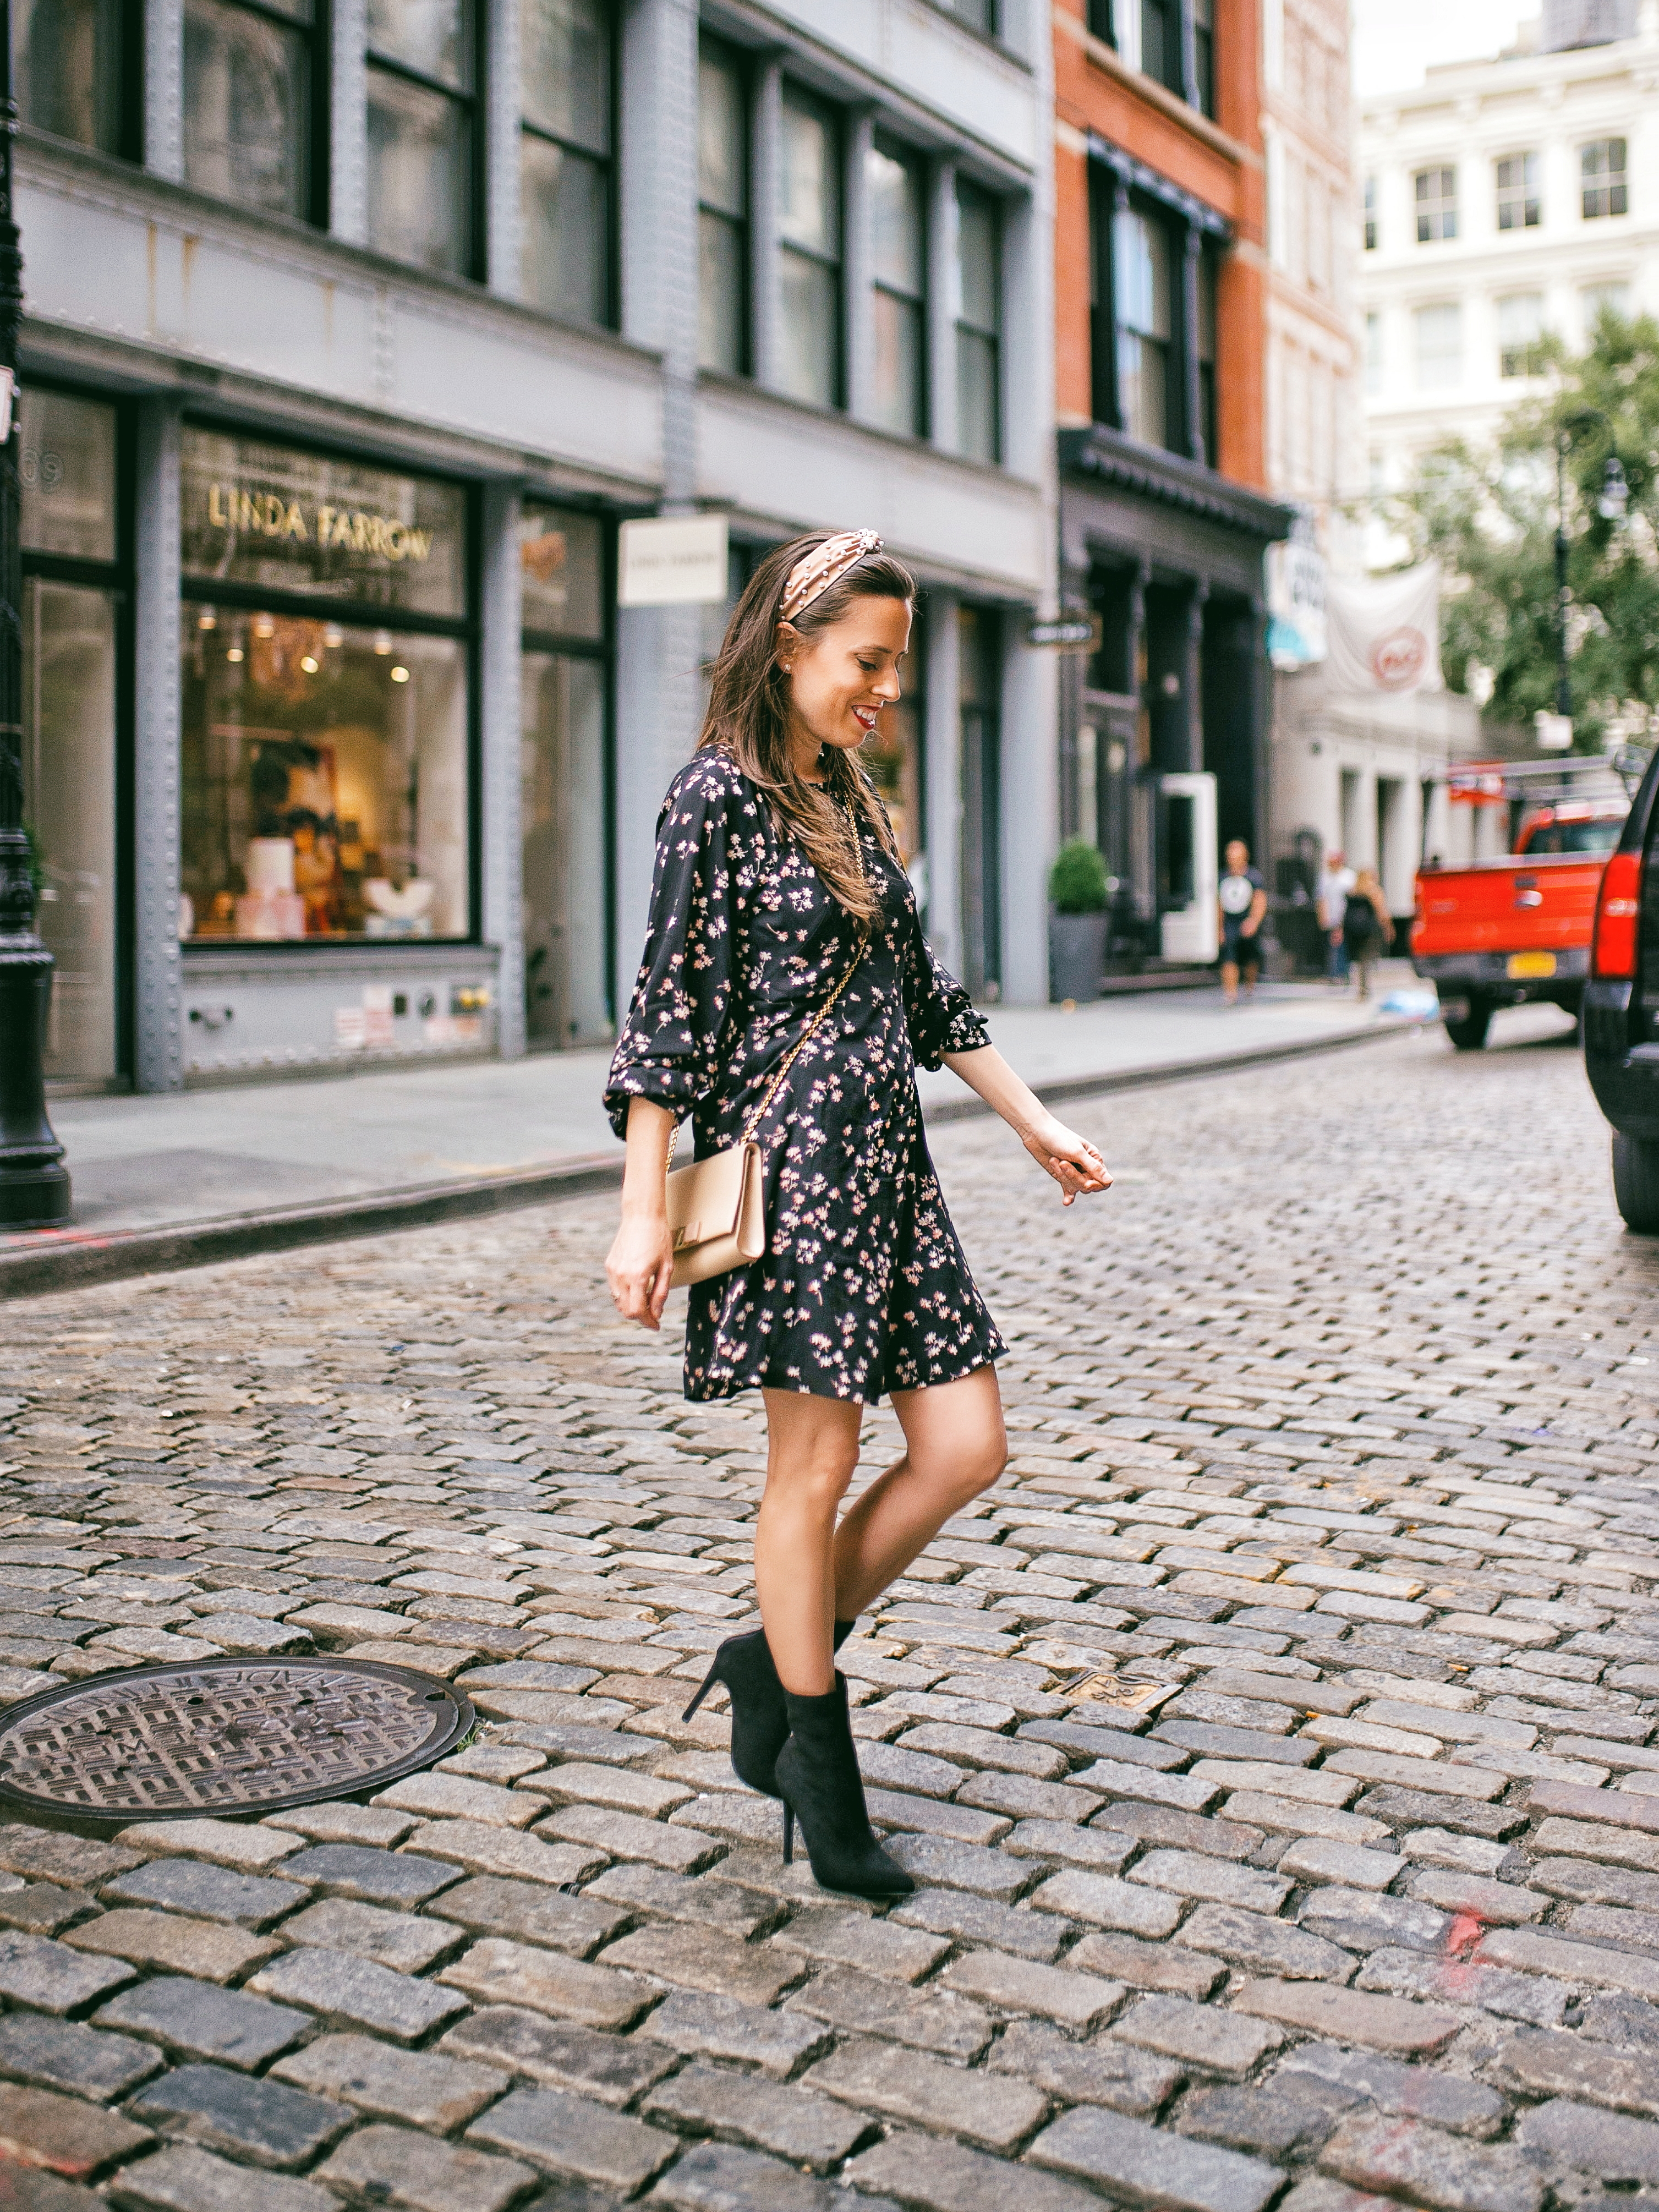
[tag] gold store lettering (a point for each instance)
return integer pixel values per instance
(265, 514)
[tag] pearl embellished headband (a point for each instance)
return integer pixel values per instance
(824, 565)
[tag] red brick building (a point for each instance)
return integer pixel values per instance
(1161, 310)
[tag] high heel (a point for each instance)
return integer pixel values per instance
(819, 1779)
(760, 1724)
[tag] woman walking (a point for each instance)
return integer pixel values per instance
(1367, 928)
(784, 943)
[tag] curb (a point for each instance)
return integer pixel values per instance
(69, 1259)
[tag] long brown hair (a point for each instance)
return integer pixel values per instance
(748, 716)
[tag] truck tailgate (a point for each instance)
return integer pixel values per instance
(1545, 905)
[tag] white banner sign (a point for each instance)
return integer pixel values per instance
(1384, 632)
(672, 560)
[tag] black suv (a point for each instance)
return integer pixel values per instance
(1621, 1008)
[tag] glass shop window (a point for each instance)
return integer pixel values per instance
(71, 623)
(326, 665)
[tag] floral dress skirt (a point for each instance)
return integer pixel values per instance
(864, 1288)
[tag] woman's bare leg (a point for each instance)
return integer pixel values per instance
(954, 1447)
(812, 1448)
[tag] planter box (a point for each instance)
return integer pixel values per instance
(1077, 956)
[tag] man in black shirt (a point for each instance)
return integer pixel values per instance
(1242, 896)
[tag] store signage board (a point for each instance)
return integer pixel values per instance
(672, 560)
(1071, 633)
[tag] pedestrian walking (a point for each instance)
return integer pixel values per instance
(785, 997)
(1242, 896)
(1336, 880)
(1367, 928)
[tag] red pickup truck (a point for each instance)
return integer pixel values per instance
(1491, 933)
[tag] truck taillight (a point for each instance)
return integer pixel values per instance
(1617, 910)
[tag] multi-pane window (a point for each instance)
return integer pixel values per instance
(1519, 203)
(978, 15)
(897, 190)
(421, 132)
(70, 59)
(809, 237)
(1204, 55)
(248, 103)
(1435, 192)
(1602, 171)
(979, 323)
(722, 211)
(1370, 214)
(1439, 336)
(1595, 300)
(565, 157)
(1519, 330)
(1373, 355)
(1145, 310)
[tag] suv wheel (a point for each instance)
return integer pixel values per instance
(1636, 1183)
(1469, 1034)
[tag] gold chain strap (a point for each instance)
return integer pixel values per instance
(758, 1114)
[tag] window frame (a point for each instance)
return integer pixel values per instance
(805, 101)
(1436, 308)
(466, 628)
(961, 326)
(128, 90)
(316, 44)
(607, 162)
(472, 100)
(1604, 182)
(1528, 197)
(1439, 209)
(1529, 353)
(723, 54)
(118, 578)
(913, 160)
(1370, 229)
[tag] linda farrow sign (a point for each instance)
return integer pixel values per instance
(268, 514)
(280, 518)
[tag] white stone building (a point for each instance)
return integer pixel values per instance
(352, 331)
(1503, 199)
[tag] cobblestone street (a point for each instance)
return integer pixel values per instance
(1276, 1747)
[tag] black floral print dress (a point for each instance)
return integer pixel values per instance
(864, 1288)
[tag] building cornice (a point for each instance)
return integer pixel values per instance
(1106, 456)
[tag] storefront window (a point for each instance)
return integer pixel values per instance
(70, 632)
(979, 659)
(564, 686)
(325, 780)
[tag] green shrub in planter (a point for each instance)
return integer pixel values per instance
(1076, 882)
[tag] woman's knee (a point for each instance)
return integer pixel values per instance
(819, 1477)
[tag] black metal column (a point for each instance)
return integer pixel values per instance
(34, 1184)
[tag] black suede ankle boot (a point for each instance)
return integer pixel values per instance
(760, 1723)
(818, 1773)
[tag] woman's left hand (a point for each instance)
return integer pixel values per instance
(1072, 1161)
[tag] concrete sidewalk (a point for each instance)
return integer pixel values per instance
(181, 1179)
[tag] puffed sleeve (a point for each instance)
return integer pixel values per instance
(668, 1050)
(938, 1012)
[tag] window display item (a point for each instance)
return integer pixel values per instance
(399, 913)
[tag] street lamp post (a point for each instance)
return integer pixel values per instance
(34, 1184)
(1612, 506)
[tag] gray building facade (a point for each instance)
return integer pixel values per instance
(351, 337)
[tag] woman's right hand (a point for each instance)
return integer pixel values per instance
(638, 1267)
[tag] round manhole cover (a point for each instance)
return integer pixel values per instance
(208, 1736)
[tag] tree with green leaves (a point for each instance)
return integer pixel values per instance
(1489, 517)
